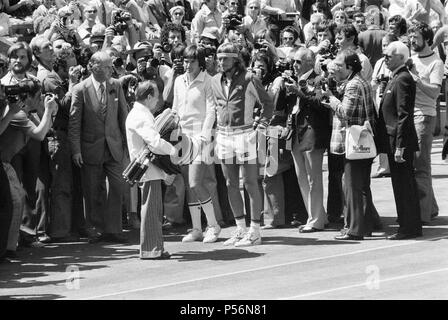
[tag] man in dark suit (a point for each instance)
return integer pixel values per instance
(97, 135)
(399, 140)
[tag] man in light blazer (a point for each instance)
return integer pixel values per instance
(97, 135)
(398, 138)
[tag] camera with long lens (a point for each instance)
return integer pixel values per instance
(167, 47)
(119, 23)
(303, 86)
(117, 62)
(209, 50)
(21, 90)
(235, 20)
(283, 65)
(259, 46)
(382, 80)
(330, 52)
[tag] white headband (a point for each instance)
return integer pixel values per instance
(227, 55)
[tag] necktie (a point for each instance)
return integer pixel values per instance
(103, 14)
(102, 94)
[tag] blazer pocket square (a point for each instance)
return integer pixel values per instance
(116, 99)
(388, 91)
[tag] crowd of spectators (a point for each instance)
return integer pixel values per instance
(267, 87)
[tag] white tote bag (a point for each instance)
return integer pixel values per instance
(359, 142)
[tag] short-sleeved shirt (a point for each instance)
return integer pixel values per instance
(430, 70)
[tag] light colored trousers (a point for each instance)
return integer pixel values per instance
(151, 237)
(18, 202)
(424, 126)
(308, 167)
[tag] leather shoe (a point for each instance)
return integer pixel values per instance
(94, 238)
(309, 230)
(401, 236)
(164, 256)
(114, 238)
(348, 237)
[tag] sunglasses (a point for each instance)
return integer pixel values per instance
(298, 61)
(91, 11)
(233, 3)
(387, 56)
(145, 59)
(288, 38)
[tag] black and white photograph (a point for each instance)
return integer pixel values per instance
(225, 158)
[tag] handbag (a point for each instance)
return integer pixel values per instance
(359, 142)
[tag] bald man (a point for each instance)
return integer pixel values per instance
(399, 140)
(97, 135)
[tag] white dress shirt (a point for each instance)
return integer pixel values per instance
(141, 131)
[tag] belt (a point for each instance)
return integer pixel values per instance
(235, 129)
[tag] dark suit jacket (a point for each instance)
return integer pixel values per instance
(313, 113)
(88, 131)
(396, 116)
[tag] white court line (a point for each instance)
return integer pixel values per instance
(411, 275)
(401, 244)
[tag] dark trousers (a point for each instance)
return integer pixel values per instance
(31, 166)
(405, 193)
(360, 212)
(61, 187)
(294, 206)
(78, 217)
(5, 210)
(103, 207)
(335, 198)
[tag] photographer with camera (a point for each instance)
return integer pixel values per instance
(20, 85)
(147, 68)
(278, 159)
(122, 30)
(21, 156)
(347, 38)
(210, 42)
(61, 28)
(7, 113)
(311, 136)
(59, 82)
(353, 108)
